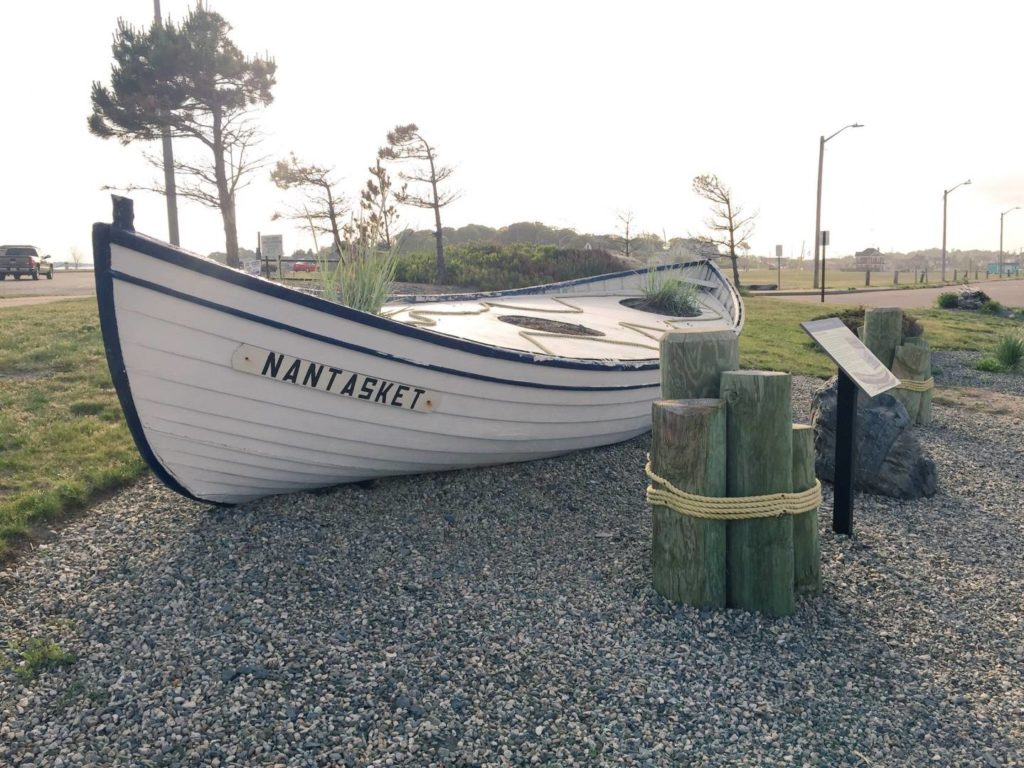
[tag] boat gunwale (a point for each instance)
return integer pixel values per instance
(178, 257)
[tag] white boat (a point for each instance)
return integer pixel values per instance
(235, 387)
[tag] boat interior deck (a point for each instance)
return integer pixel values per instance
(581, 327)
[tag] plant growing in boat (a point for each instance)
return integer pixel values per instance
(667, 297)
(361, 277)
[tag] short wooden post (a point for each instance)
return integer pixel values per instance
(692, 362)
(688, 450)
(759, 449)
(867, 278)
(913, 362)
(806, 546)
(883, 329)
(896, 277)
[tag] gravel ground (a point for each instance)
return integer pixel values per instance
(955, 369)
(504, 616)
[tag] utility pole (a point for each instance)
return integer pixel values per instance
(945, 195)
(1015, 208)
(817, 212)
(170, 191)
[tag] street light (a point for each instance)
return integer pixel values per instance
(945, 194)
(1015, 208)
(817, 215)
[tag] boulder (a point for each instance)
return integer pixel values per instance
(969, 299)
(890, 460)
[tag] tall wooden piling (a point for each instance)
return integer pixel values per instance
(692, 362)
(759, 460)
(688, 450)
(806, 546)
(883, 331)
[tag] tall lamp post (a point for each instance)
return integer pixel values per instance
(817, 214)
(1015, 208)
(945, 194)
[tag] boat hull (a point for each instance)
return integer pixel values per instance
(236, 388)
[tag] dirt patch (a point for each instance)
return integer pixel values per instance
(550, 326)
(981, 401)
(38, 373)
(24, 301)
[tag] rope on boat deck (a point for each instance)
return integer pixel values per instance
(420, 318)
(662, 493)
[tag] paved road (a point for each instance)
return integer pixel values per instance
(1007, 292)
(65, 285)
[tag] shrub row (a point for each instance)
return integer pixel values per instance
(499, 267)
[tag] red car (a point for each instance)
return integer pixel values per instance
(304, 266)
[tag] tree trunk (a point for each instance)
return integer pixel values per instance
(225, 198)
(227, 212)
(442, 274)
(735, 270)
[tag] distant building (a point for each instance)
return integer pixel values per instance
(869, 260)
(1006, 269)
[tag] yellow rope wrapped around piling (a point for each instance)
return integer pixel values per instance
(917, 386)
(663, 493)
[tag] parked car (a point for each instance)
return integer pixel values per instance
(305, 266)
(18, 260)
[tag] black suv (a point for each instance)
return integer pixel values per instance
(21, 260)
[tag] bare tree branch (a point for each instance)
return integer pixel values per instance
(730, 228)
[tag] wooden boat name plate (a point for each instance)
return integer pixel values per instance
(323, 377)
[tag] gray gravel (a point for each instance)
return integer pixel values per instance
(956, 369)
(504, 616)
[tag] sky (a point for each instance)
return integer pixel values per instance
(567, 113)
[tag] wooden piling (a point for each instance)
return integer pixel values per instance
(806, 546)
(913, 362)
(759, 451)
(692, 362)
(688, 450)
(883, 330)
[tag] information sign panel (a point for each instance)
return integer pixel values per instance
(850, 354)
(272, 247)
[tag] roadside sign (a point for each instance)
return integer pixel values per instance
(271, 247)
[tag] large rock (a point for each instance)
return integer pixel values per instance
(890, 460)
(969, 299)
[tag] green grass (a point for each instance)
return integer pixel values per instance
(772, 338)
(835, 279)
(1009, 351)
(63, 439)
(669, 297)
(38, 654)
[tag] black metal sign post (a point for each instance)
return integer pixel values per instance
(824, 242)
(846, 425)
(858, 369)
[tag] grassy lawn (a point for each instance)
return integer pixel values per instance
(63, 439)
(803, 279)
(772, 338)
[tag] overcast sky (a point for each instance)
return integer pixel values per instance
(568, 113)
